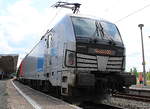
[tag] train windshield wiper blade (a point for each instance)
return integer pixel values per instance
(110, 39)
(96, 32)
(107, 37)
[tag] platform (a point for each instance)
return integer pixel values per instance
(140, 90)
(140, 87)
(37, 99)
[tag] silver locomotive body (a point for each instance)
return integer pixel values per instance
(79, 55)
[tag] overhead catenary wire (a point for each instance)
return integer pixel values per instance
(146, 6)
(52, 19)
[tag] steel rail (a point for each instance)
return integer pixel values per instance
(132, 97)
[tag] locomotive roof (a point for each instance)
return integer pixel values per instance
(56, 21)
(87, 16)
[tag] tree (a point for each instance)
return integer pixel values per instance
(148, 75)
(135, 72)
(131, 70)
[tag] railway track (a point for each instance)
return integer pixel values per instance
(128, 101)
(91, 105)
(132, 97)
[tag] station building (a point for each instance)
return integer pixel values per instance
(8, 65)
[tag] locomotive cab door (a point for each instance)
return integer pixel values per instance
(52, 60)
(47, 55)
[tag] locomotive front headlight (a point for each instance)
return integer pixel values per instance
(70, 58)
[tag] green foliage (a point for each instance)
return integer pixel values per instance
(134, 71)
(148, 76)
(131, 70)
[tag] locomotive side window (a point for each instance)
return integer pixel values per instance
(85, 27)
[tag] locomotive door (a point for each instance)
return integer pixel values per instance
(53, 58)
(47, 55)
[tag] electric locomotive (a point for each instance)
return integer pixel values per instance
(79, 56)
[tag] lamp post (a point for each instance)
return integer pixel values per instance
(143, 63)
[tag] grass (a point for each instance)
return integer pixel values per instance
(148, 82)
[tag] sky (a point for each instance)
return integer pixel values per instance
(23, 22)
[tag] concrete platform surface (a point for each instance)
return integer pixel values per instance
(140, 87)
(15, 100)
(42, 100)
(27, 98)
(3, 94)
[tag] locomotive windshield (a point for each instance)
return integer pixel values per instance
(110, 31)
(85, 27)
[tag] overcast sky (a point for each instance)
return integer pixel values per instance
(23, 22)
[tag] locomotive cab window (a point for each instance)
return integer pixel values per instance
(85, 27)
(110, 31)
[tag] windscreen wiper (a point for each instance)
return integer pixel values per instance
(96, 32)
(111, 40)
(96, 35)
